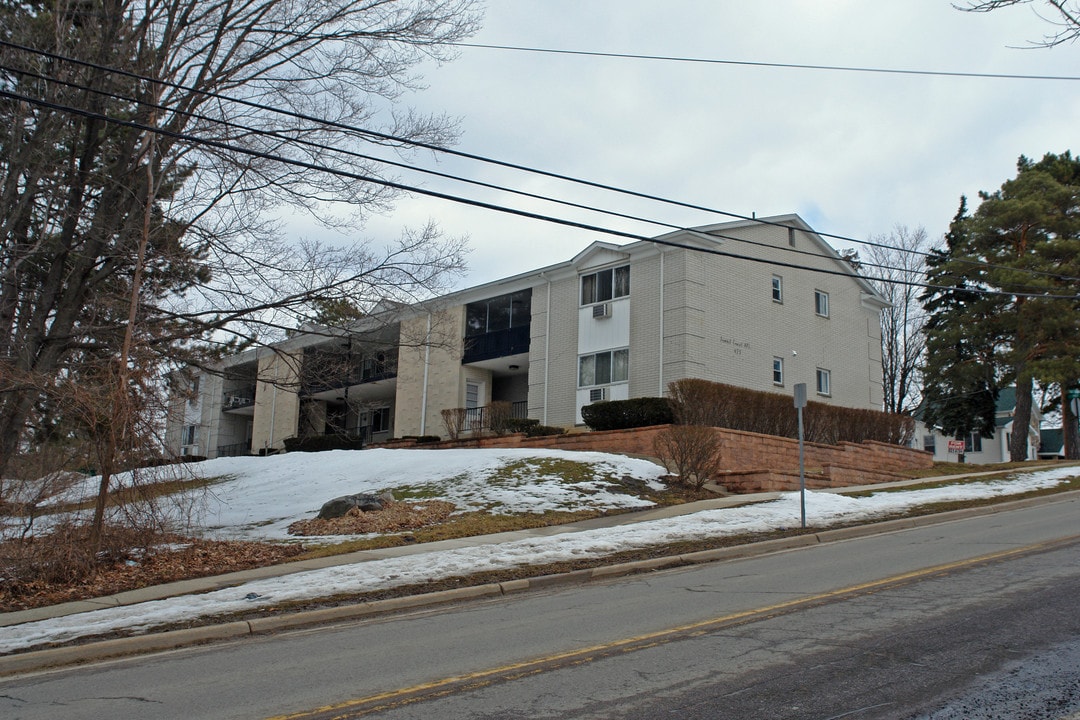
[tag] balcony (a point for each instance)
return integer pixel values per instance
(501, 343)
(238, 399)
(234, 450)
(323, 373)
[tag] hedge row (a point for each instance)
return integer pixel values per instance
(701, 402)
(622, 414)
(319, 443)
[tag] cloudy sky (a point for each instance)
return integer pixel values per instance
(853, 153)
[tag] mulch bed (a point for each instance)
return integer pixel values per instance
(199, 558)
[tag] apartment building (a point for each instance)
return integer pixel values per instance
(763, 304)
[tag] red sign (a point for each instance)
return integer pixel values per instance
(956, 446)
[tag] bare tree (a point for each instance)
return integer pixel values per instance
(900, 257)
(1061, 14)
(143, 147)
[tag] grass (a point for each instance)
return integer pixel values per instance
(482, 522)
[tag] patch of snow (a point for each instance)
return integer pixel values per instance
(822, 509)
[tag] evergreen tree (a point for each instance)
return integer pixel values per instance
(1023, 241)
(960, 379)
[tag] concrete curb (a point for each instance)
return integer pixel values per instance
(36, 660)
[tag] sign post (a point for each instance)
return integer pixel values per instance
(800, 403)
(957, 446)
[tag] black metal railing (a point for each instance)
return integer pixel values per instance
(501, 343)
(316, 379)
(479, 418)
(234, 450)
(239, 398)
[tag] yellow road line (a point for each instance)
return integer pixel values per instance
(445, 686)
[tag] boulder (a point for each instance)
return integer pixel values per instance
(340, 506)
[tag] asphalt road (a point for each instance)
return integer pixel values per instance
(966, 617)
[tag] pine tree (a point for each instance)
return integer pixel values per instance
(1023, 242)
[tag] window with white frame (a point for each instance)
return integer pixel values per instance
(605, 285)
(777, 289)
(929, 443)
(188, 434)
(973, 443)
(821, 303)
(824, 382)
(778, 371)
(472, 395)
(603, 368)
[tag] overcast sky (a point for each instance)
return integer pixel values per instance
(853, 153)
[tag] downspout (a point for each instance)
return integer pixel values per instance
(273, 415)
(660, 352)
(547, 348)
(423, 392)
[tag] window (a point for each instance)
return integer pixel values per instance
(791, 236)
(929, 443)
(972, 443)
(824, 382)
(778, 371)
(380, 420)
(498, 313)
(821, 303)
(605, 285)
(189, 434)
(472, 395)
(603, 368)
(777, 289)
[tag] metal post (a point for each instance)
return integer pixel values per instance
(800, 403)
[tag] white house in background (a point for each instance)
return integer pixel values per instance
(980, 450)
(762, 304)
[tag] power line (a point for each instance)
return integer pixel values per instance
(427, 171)
(751, 63)
(489, 206)
(500, 163)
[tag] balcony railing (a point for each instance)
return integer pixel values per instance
(501, 343)
(239, 398)
(234, 450)
(479, 418)
(320, 378)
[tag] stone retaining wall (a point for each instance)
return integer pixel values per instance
(751, 462)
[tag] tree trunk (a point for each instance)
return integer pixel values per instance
(1070, 429)
(1018, 444)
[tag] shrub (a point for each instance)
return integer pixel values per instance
(522, 425)
(701, 402)
(320, 443)
(454, 421)
(690, 451)
(543, 430)
(622, 414)
(499, 415)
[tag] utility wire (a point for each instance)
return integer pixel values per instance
(480, 158)
(393, 163)
(498, 208)
(750, 63)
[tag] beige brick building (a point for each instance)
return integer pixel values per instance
(763, 304)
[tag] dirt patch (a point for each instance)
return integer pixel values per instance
(394, 517)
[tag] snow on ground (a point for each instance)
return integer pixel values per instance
(257, 498)
(822, 509)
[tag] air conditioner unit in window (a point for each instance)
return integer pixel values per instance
(597, 394)
(602, 310)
